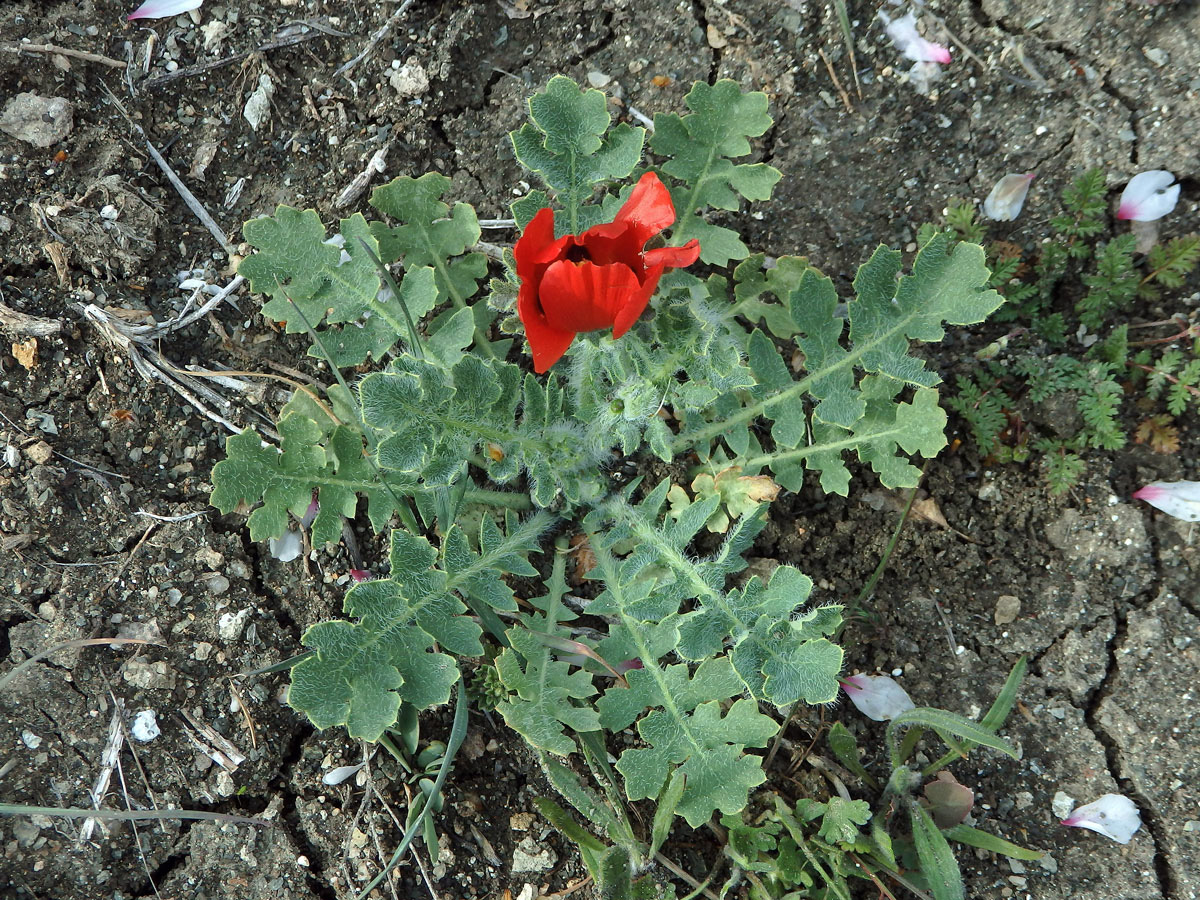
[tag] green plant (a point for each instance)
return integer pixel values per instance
(485, 465)
(1073, 285)
(813, 848)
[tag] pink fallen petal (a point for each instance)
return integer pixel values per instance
(361, 575)
(1180, 499)
(1149, 196)
(877, 697)
(906, 39)
(1004, 203)
(310, 514)
(161, 9)
(1113, 815)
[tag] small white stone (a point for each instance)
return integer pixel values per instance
(1062, 804)
(230, 626)
(30, 740)
(144, 727)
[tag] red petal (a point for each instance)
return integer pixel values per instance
(584, 296)
(546, 344)
(648, 210)
(674, 257)
(636, 305)
(536, 247)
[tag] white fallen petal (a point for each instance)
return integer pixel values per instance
(341, 773)
(905, 38)
(877, 697)
(288, 547)
(1149, 196)
(1180, 499)
(160, 9)
(1113, 815)
(1004, 203)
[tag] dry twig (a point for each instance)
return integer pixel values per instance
(285, 37)
(65, 51)
(378, 36)
(23, 324)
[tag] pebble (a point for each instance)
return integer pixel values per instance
(989, 492)
(1049, 864)
(529, 857)
(25, 831)
(1008, 608)
(1157, 55)
(598, 79)
(144, 727)
(37, 120)
(30, 740)
(521, 821)
(409, 80)
(225, 785)
(39, 453)
(1062, 804)
(230, 626)
(215, 582)
(149, 676)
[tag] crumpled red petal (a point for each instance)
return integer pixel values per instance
(649, 209)
(584, 296)
(673, 257)
(636, 303)
(537, 246)
(546, 344)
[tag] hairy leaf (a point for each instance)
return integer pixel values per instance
(329, 286)
(363, 670)
(570, 145)
(701, 146)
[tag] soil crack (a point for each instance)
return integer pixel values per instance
(1163, 869)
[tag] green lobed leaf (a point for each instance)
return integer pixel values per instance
(362, 671)
(943, 287)
(849, 412)
(701, 146)
(678, 710)
(315, 284)
(544, 687)
(842, 819)
(430, 233)
(570, 145)
(429, 420)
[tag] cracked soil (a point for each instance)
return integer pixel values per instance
(1108, 604)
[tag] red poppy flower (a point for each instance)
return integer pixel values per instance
(603, 277)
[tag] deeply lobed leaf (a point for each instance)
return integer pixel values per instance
(701, 146)
(362, 671)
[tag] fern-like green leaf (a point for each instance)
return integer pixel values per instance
(544, 689)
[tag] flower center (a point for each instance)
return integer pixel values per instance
(577, 253)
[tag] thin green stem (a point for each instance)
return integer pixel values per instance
(869, 587)
(458, 731)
